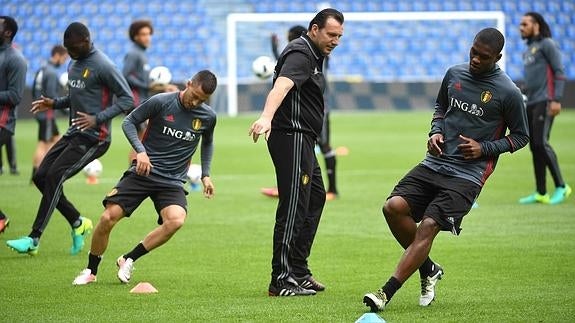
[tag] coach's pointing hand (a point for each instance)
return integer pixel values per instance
(260, 127)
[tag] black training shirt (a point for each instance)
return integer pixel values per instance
(303, 107)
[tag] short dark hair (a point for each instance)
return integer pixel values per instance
(207, 79)
(544, 30)
(77, 29)
(322, 16)
(492, 38)
(137, 25)
(296, 31)
(58, 49)
(11, 25)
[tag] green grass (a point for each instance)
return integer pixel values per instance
(511, 263)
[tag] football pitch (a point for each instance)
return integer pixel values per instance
(511, 263)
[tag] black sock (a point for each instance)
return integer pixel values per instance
(93, 263)
(426, 268)
(391, 287)
(35, 234)
(330, 171)
(137, 252)
(2, 215)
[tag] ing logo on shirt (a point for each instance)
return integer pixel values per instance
(86, 73)
(196, 124)
(486, 96)
(533, 50)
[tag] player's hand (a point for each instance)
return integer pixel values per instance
(434, 144)
(42, 104)
(259, 127)
(208, 187)
(143, 164)
(470, 148)
(84, 121)
(554, 108)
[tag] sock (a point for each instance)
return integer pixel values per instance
(77, 223)
(330, 170)
(35, 234)
(93, 263)
(426, 268)
(137, 252)
(391, 287)
(2, 215)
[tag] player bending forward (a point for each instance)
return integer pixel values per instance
(177, 121)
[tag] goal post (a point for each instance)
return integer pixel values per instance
(234, 19)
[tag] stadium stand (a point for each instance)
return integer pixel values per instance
(191, 35)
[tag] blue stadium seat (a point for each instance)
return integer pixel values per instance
(196, 29)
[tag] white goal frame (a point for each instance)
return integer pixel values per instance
(234, 18)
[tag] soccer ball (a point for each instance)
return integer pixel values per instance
(195, 173)
(93, 169)
(263, 67)
(63, 79)
(160, 75)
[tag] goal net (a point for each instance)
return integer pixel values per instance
(376, 46)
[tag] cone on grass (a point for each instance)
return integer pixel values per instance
(370, 318)
(143, 288)
(91, 180)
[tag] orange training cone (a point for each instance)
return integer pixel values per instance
(143, 288)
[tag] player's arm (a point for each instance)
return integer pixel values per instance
(277, 94)
(130, 65)
(145, 111)
(206, 154)
(295, 70)
(124, 102)
(130, 124)
(435, 141)
(516, 120)
(16, 76)
(553, 56)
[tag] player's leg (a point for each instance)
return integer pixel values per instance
(171, 204)
(304, 239)
(286, 152)
(562, 190)
(65, 160)
(329, 156)
(100, 238)
(4, 138)
(536, 117)
(11, 154)
(402, 210)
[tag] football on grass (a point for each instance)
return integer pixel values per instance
(93, 169)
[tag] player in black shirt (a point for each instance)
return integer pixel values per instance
(177, 121)
(292, 121)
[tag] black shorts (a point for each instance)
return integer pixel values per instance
(47, 128)
(446, 199)
(133, 189)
